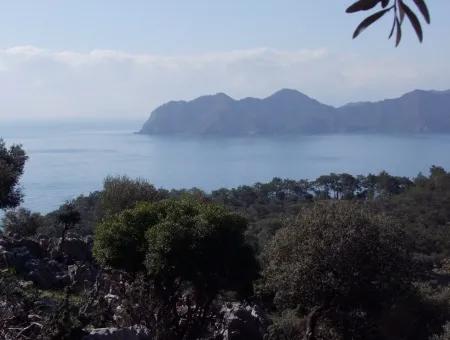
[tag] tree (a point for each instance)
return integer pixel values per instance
(68, 217)
(12, 163)
(367, 186)
(178, 239)
(22, 222)
(348, 186)
(322, 186)
(119, 241)
(340, 264)
(343, 186)
(388, 185)
(423, 210)
(399, 8)
(120, 193)
(202, 244)
(190, 250)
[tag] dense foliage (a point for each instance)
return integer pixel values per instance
(185, 240)
(22, 222)
(12, 163)
(343, 261)
(184, 246)
(120, 193)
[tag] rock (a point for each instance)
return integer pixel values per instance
(32, 260)
(46, 304)
(25, 284)
(3, 258)
(56, 266)
(17, 258)
(16, 252)
(63, 280)
(130, 333)
(76, 249)
(32, 246)
(41, 274)
(81, 275)
(45, 243)
(241, 322)
(3, 242)
(89, 240)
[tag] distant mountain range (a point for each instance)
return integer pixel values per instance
(291, 112)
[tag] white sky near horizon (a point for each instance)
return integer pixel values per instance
(114, 59)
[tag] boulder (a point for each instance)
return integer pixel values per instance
(75, 249)
(46, 304)
(81, 275)
(41, 274)
(17, 258)
(16, 252)
(130, 333)
(30, 259)
(63, 280)
(32, 246)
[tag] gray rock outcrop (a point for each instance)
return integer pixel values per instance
(130, 333)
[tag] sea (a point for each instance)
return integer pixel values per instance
(67, 159)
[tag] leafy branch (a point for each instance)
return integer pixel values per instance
(399, 9)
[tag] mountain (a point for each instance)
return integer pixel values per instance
(291, 112)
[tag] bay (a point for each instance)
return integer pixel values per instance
(69, 159)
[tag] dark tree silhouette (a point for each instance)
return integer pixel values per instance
(68, 217)
(12, 163)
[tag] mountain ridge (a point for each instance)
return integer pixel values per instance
(290, 111)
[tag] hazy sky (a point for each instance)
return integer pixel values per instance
(121, 59)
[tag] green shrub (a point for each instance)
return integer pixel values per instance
(202, 244)
(338, 258)
(185, 240)
(119, 241)
(120, 193)
(189, 251)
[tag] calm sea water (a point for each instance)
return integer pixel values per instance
(67, 160)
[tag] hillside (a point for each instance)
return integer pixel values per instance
(291, 112)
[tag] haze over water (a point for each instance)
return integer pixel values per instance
(67, 160)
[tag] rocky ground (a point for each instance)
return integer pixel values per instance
(42, 276)
(49, 263)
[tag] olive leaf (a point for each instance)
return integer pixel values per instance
(414, 20)
(369, 21)
(399, 32)
(423, 9)
(363, 5)
(394, 25)
(400, 10)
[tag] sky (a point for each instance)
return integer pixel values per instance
(98, 59)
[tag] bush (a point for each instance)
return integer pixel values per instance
(120, 193)
(202, 244)
(179, 239)
(189, 251)
(119, 241)
(340, 261)
(22, 222)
